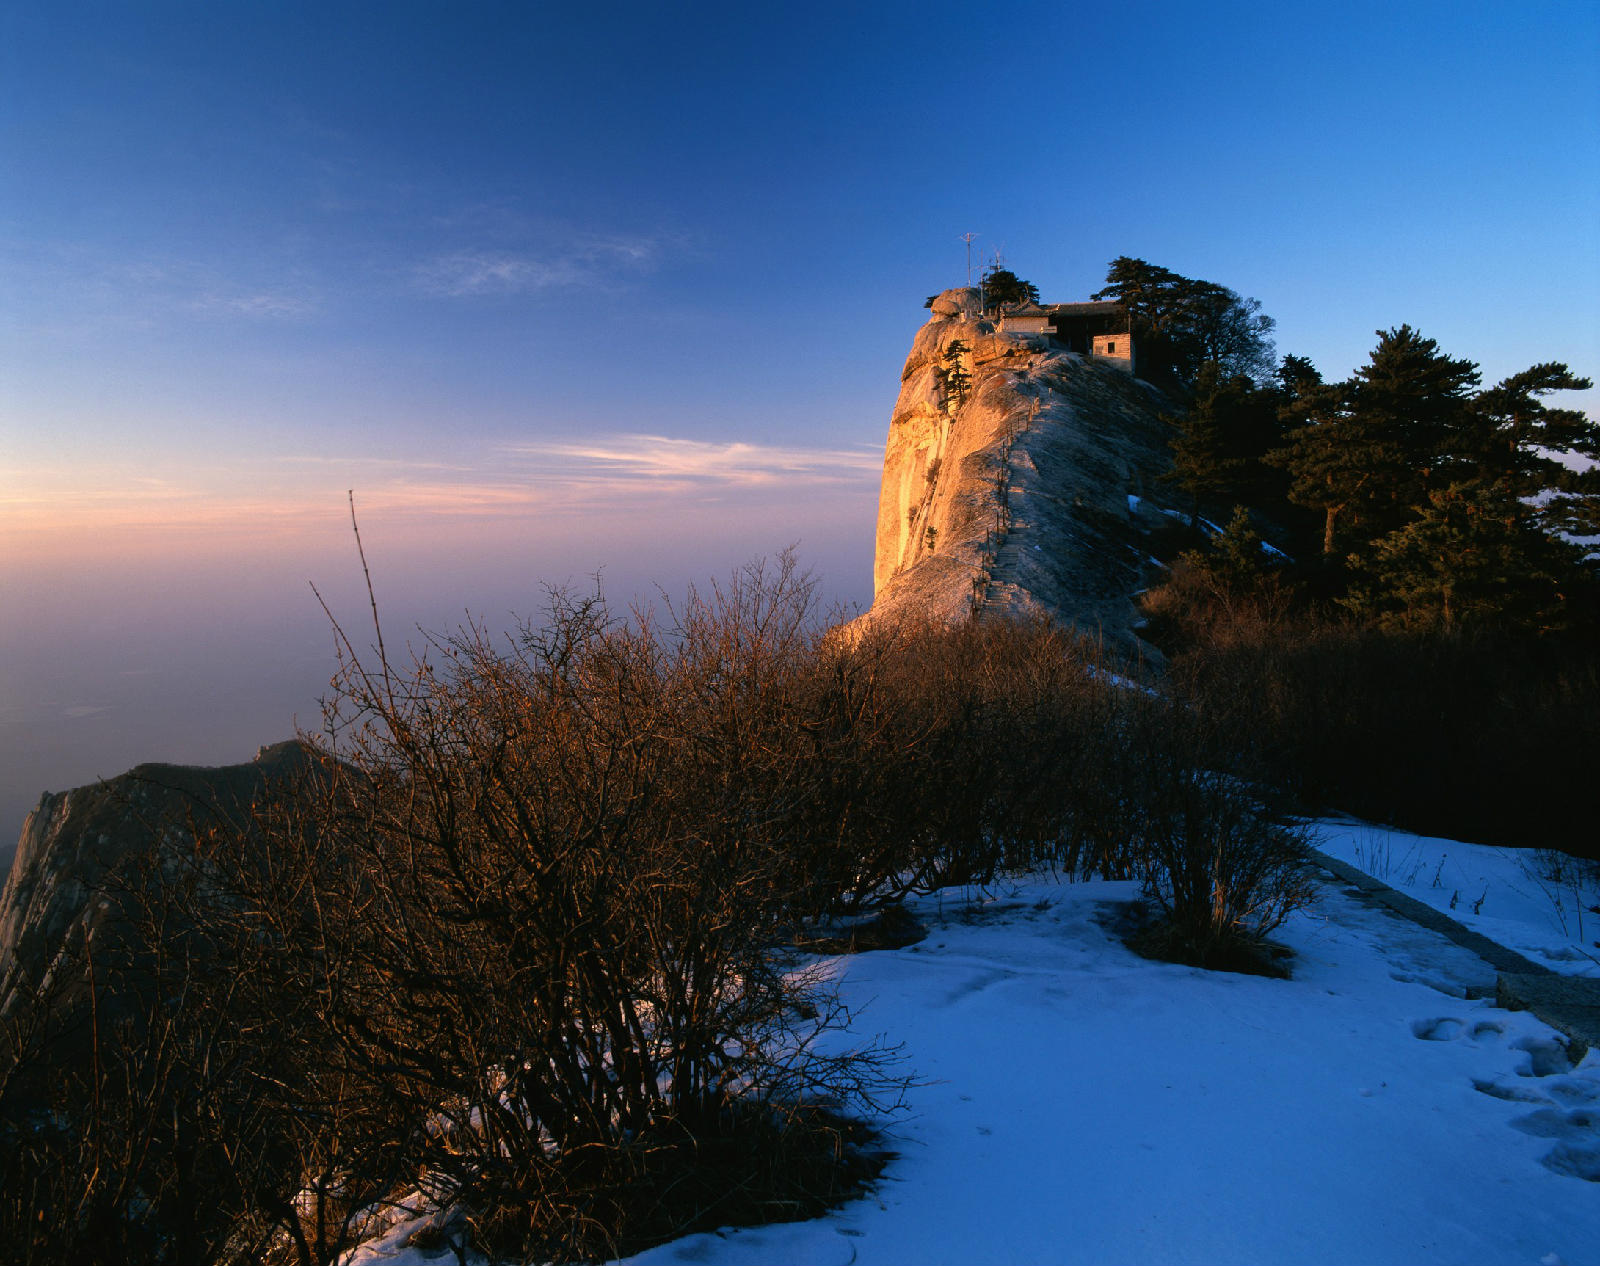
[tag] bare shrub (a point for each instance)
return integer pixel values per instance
(1006, 746)
(960, 751)
(1224, 865)
(549, 877)
(1206, 602)
(514, 946)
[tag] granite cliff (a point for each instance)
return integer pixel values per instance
(1026, 488)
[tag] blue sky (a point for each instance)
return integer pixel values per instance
(559, 289)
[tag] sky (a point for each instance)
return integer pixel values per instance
(563, 293)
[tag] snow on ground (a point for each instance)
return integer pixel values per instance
(1511, 895)
(1080, 1104)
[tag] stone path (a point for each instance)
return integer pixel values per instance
(1568, 1003)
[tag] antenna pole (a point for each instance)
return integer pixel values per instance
(967, 238)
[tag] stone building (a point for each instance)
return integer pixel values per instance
(1101, 330)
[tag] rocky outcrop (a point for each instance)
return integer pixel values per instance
(57, 895)
(1031, 491)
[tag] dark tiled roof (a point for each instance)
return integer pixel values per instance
(1108, 307)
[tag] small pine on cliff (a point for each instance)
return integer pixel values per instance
(1015, 480)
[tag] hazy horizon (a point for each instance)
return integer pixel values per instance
(222, 647)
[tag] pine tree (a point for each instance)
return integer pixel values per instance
(954, 376)
(1239, 546)
(1296, 377)
(1419, 400)
(1367, 452)
(1002, 288)
(1473, 556)
(1236, 576)
(1327, 469)
(1183, 322)
(1238, 559)
(1516, 437)
(1219, 441)
(1152, 295)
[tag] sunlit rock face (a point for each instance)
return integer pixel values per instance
(1027, 495)
(76, 858)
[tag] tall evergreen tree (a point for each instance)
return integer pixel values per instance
(1218, 443)
(1517, 438)
(1296, 377)
(1327, 468)
(1366, 452)
(954, 376)
(1420, 400)
(1152, 295)
(1431, 491)
(1472, 556)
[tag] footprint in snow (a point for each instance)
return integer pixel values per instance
(1547, 1057)
(1511, 1094)
(1560, 1123)
(1446, 1028)
(1575, 1160)
(1570, 1111)
(977, 983)
(1577, 1151)
(1574, 1090)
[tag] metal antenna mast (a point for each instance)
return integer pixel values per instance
(967, 238)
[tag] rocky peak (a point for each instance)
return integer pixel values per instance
(1028, 491)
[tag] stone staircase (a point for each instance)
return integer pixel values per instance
(1003, 594)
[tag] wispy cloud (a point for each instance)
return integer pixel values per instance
(211, 291)
(270, 304)
(584, 259)
(464, 273)
(76, 286)
(636, 476)
(649, 459)
(625, 474)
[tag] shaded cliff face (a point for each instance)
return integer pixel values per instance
(1033, 493)
(75, 840)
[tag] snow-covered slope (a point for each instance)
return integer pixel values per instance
(1080, 1104)
(1088, 1106)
